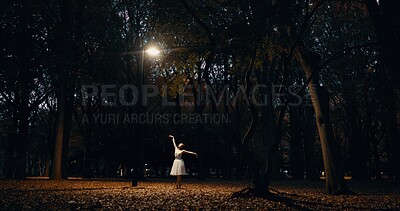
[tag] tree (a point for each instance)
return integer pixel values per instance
(335, 183)
(23, 67)
(386, 22)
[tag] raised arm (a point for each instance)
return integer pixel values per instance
(173, 140)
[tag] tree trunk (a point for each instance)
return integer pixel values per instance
(67, 129)
(296, 145)
(87, 151)
(16, 166)
(17, 148)
(264, 155)
(368, 133)
(275, 158)
(262, 163)
(335, 183)
(23, 130)
(11, 147)
(58, 145)
(50, 143)
(226, 173)
(237, 142)
(358, 145)
(47, 168)
(377, 158)
(309, 141)
(203, 169)
(386, 22)
(393, 129)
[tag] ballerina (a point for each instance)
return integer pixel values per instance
(178, 167)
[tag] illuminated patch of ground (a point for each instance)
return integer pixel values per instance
(195, 194)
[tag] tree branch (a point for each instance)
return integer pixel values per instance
(343, 52)
(335, 56)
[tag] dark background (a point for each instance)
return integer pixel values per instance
(343, 57)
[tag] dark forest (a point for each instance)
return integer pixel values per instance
(261, 90)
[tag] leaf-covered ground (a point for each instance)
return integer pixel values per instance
(196, 194)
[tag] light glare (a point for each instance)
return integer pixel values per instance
(153, 51)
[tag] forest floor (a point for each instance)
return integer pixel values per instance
(108, 194)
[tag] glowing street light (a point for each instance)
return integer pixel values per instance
(153, 51)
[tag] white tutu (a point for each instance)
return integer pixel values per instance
(178, 167)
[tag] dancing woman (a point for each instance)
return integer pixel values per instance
(178, 167)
